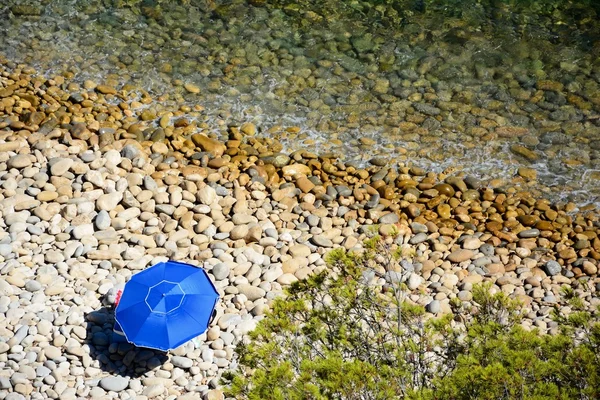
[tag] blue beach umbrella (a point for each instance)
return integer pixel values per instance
(166, 305)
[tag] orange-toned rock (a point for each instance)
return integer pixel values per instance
(511, 131)
(528, 220)
(210, 145)
(589, 268)
(105, 89)
(567, 253)
(544, 226)
(386, 192)
(293, 169)
(445, 189)
(194, 173)
(460, 255)
(496, 268)
(305, 184)
(279, 194)
(248, 129)
(493, 226)
(218, 162)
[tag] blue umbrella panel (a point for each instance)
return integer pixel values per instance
(166, 305)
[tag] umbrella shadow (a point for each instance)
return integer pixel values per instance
(114, 354)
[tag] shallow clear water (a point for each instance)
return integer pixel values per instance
(432, 83)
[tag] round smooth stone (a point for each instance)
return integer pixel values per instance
(529, 233)
(433, 307)
(552, 268)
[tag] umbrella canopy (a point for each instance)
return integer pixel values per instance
(166, 305)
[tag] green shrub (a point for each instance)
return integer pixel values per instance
(350, 333)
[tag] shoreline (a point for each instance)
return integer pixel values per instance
(85, 202)
(487, 98)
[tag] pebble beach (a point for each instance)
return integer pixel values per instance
(100, 179)
(82, 210)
